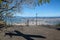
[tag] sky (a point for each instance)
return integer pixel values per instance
(46, 10)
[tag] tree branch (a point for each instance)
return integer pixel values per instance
(7, 9)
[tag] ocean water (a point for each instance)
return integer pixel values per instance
(44, 20)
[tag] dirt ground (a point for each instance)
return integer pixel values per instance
(48, 33)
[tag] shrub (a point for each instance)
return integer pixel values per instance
(58, 24)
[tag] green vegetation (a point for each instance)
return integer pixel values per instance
(58, 24)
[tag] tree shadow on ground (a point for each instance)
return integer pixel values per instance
(26, 36)
(58, 29)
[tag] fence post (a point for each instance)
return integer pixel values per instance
(36, 19)
(27, 22)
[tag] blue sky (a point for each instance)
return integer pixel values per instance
(46, 10)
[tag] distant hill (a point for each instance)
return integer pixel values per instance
(35, 17)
